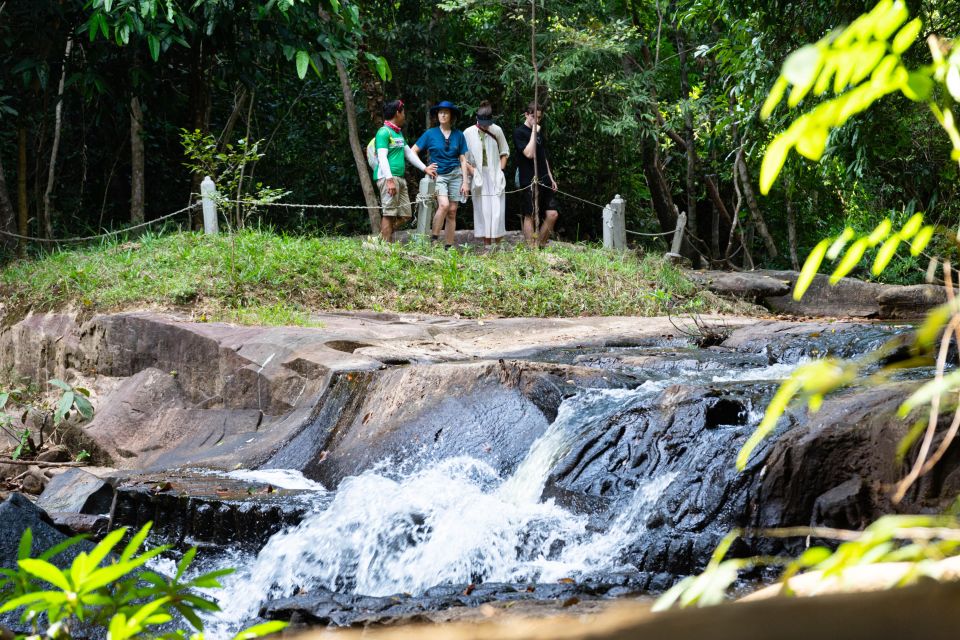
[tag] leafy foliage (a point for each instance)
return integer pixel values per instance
(71, 399)
(108, 587)
(921, 541)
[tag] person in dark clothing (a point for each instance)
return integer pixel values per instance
(529, 140)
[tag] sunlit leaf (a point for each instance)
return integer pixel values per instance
(774, 97)
(850, 260)
(303, 63)
(838, 244)
(773, 160)
(809, 270)
(45, 571)
(906, 36)
(928, 391)
(885, 254)
(263, 629)
(921, 240)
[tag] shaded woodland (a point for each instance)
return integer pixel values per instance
(655, 100)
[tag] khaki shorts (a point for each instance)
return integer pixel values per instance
(397, 206)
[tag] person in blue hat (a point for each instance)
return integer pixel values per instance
(448, 150)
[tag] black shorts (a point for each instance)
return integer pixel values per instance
(547, 200)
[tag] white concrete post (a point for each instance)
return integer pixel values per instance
(208, 192)
(426, 205)
(620, 223)
(674, 255)
(614, 225)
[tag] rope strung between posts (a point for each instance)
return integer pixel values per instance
(294, 205)
(102, 235)
(652, 235)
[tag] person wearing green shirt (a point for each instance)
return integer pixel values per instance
(392, 154)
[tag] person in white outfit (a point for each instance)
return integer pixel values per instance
(487, 154)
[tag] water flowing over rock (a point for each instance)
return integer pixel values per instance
(353, 491)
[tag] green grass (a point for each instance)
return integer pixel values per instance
(261, 277)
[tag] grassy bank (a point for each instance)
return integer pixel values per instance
(259, 277)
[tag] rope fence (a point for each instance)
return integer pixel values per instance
(614, 224)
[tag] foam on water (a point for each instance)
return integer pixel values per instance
(457, 521)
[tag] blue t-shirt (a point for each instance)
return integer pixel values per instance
(445, 152)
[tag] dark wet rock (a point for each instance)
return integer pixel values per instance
(670, 361)
(323, 607)
(203, 509)
(76, 491)
(80, 523)
(492, 411)
(788, 342)
(17, 514)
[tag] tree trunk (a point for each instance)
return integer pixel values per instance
(23, 211)
(659, 189)
(359, 155)
(751, 199)
(136, 161)
(238, 106)
(691, 185)
(7, 215)
(791, 226)
(47, 223)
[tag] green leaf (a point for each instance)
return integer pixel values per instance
(303, 62)
(930, 390)
(918, 86)
(262, 629)
(383, 69)
(4, 397)
(907, 36)
(814, 556)
(921, 240)
(60, 383)
(809, 270)
(813, 142)
(881, 231)
(890, 21)
(850, 260)
(885, 254)
(26, 545)
(63, 407)
(30, 598)
(774, 97)
(185, 562)
(841, 241)
(912, 226)
(153, 44)
(83, 406)
(135, 542)
(801, 67)
(105, 546)
(45, 571)
(907, 441)
(781, 400)
(773, 160)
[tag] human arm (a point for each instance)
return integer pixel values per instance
(530, 150)
(415, 160)
(502, 146)
(465, 170)
(553, 183)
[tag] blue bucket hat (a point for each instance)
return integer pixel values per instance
(445, 104)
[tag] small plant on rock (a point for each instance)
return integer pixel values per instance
(28, 443)
(111, 590)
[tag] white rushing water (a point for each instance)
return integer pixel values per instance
(456, 521)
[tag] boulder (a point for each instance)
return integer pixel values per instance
(788, 342)
(76, 491)
(17, 514)
(492, 411)
(750, 285)
(910, 302)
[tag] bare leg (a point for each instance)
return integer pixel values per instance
(451, 223)
(547, 227)
(440, 215)
(386, 228)
(528, 229)
(486, 241)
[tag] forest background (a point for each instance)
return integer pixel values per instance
(656, 100)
